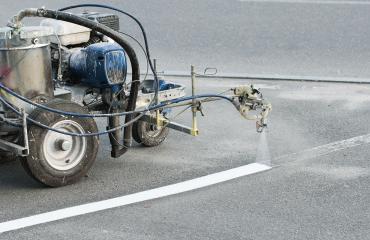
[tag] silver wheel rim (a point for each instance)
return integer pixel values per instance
(56, 153)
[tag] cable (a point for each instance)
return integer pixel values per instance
(128, 49)
(66, 133)
(128, 84)
(176, 117)
(136, 118)
(136, 72)
(9, 122)
(115, 114)
(93, 101)
(93, 115)
(142, 30)
(217, 93)
(78, 20)
(146, 56)
(157, 131)
(165, 125)
(146, 75)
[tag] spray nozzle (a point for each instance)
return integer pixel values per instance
(262, 125)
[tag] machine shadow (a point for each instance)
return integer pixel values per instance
(12, 175)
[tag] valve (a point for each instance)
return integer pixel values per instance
(200, 109)
(255, 90)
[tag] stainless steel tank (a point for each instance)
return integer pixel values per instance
(25, 64)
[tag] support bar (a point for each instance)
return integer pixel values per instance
(181, 128)
(194, 131)
(13, 147)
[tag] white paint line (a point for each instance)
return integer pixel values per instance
(133, 198)
(308, 1)
(324, 149)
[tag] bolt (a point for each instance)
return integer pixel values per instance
(63, 144)
(35, 41)
(156, 128)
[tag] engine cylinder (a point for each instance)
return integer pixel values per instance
(100, 65)
(25, 64)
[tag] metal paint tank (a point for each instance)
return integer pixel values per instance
(25, 64)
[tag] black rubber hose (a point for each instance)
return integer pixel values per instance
(125, 45)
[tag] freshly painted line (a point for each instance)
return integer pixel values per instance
(133, 198)
(179, 187)
(307, 1)
(269, 77)
(324, 149)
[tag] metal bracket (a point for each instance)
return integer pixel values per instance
(198, 107)
(25, 134)
(181, 128)
(15, 148)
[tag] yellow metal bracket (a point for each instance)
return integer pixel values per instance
(194, 131)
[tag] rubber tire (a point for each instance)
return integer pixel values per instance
(140, 134)
(36, 165)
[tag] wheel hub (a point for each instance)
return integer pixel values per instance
(153, 130)
(63, 144)
(63, 152)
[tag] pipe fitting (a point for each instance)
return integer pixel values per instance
(15, 21)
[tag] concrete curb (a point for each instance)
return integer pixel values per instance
(269, 77)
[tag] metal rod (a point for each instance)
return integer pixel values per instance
(191, 102)
(157, 101)
(194, 131)
(25, 134)
(155, 64)
(179, 127)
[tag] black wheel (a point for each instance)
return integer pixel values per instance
(144, 133)
(57, 159)
(6, 156)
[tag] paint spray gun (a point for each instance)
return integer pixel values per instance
(249, 99)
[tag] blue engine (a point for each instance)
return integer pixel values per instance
(100, 65)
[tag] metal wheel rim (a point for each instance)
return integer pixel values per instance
(64, 159)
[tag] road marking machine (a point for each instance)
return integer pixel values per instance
(58, 76)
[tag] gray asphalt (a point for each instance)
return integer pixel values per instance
(321, 197)
(267, 37)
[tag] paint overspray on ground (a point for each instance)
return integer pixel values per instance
(263, 152)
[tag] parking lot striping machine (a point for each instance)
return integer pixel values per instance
(58, 76)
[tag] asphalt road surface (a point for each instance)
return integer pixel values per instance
(284, 37)
(318, 187)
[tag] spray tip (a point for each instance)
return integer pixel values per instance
(261, 126)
